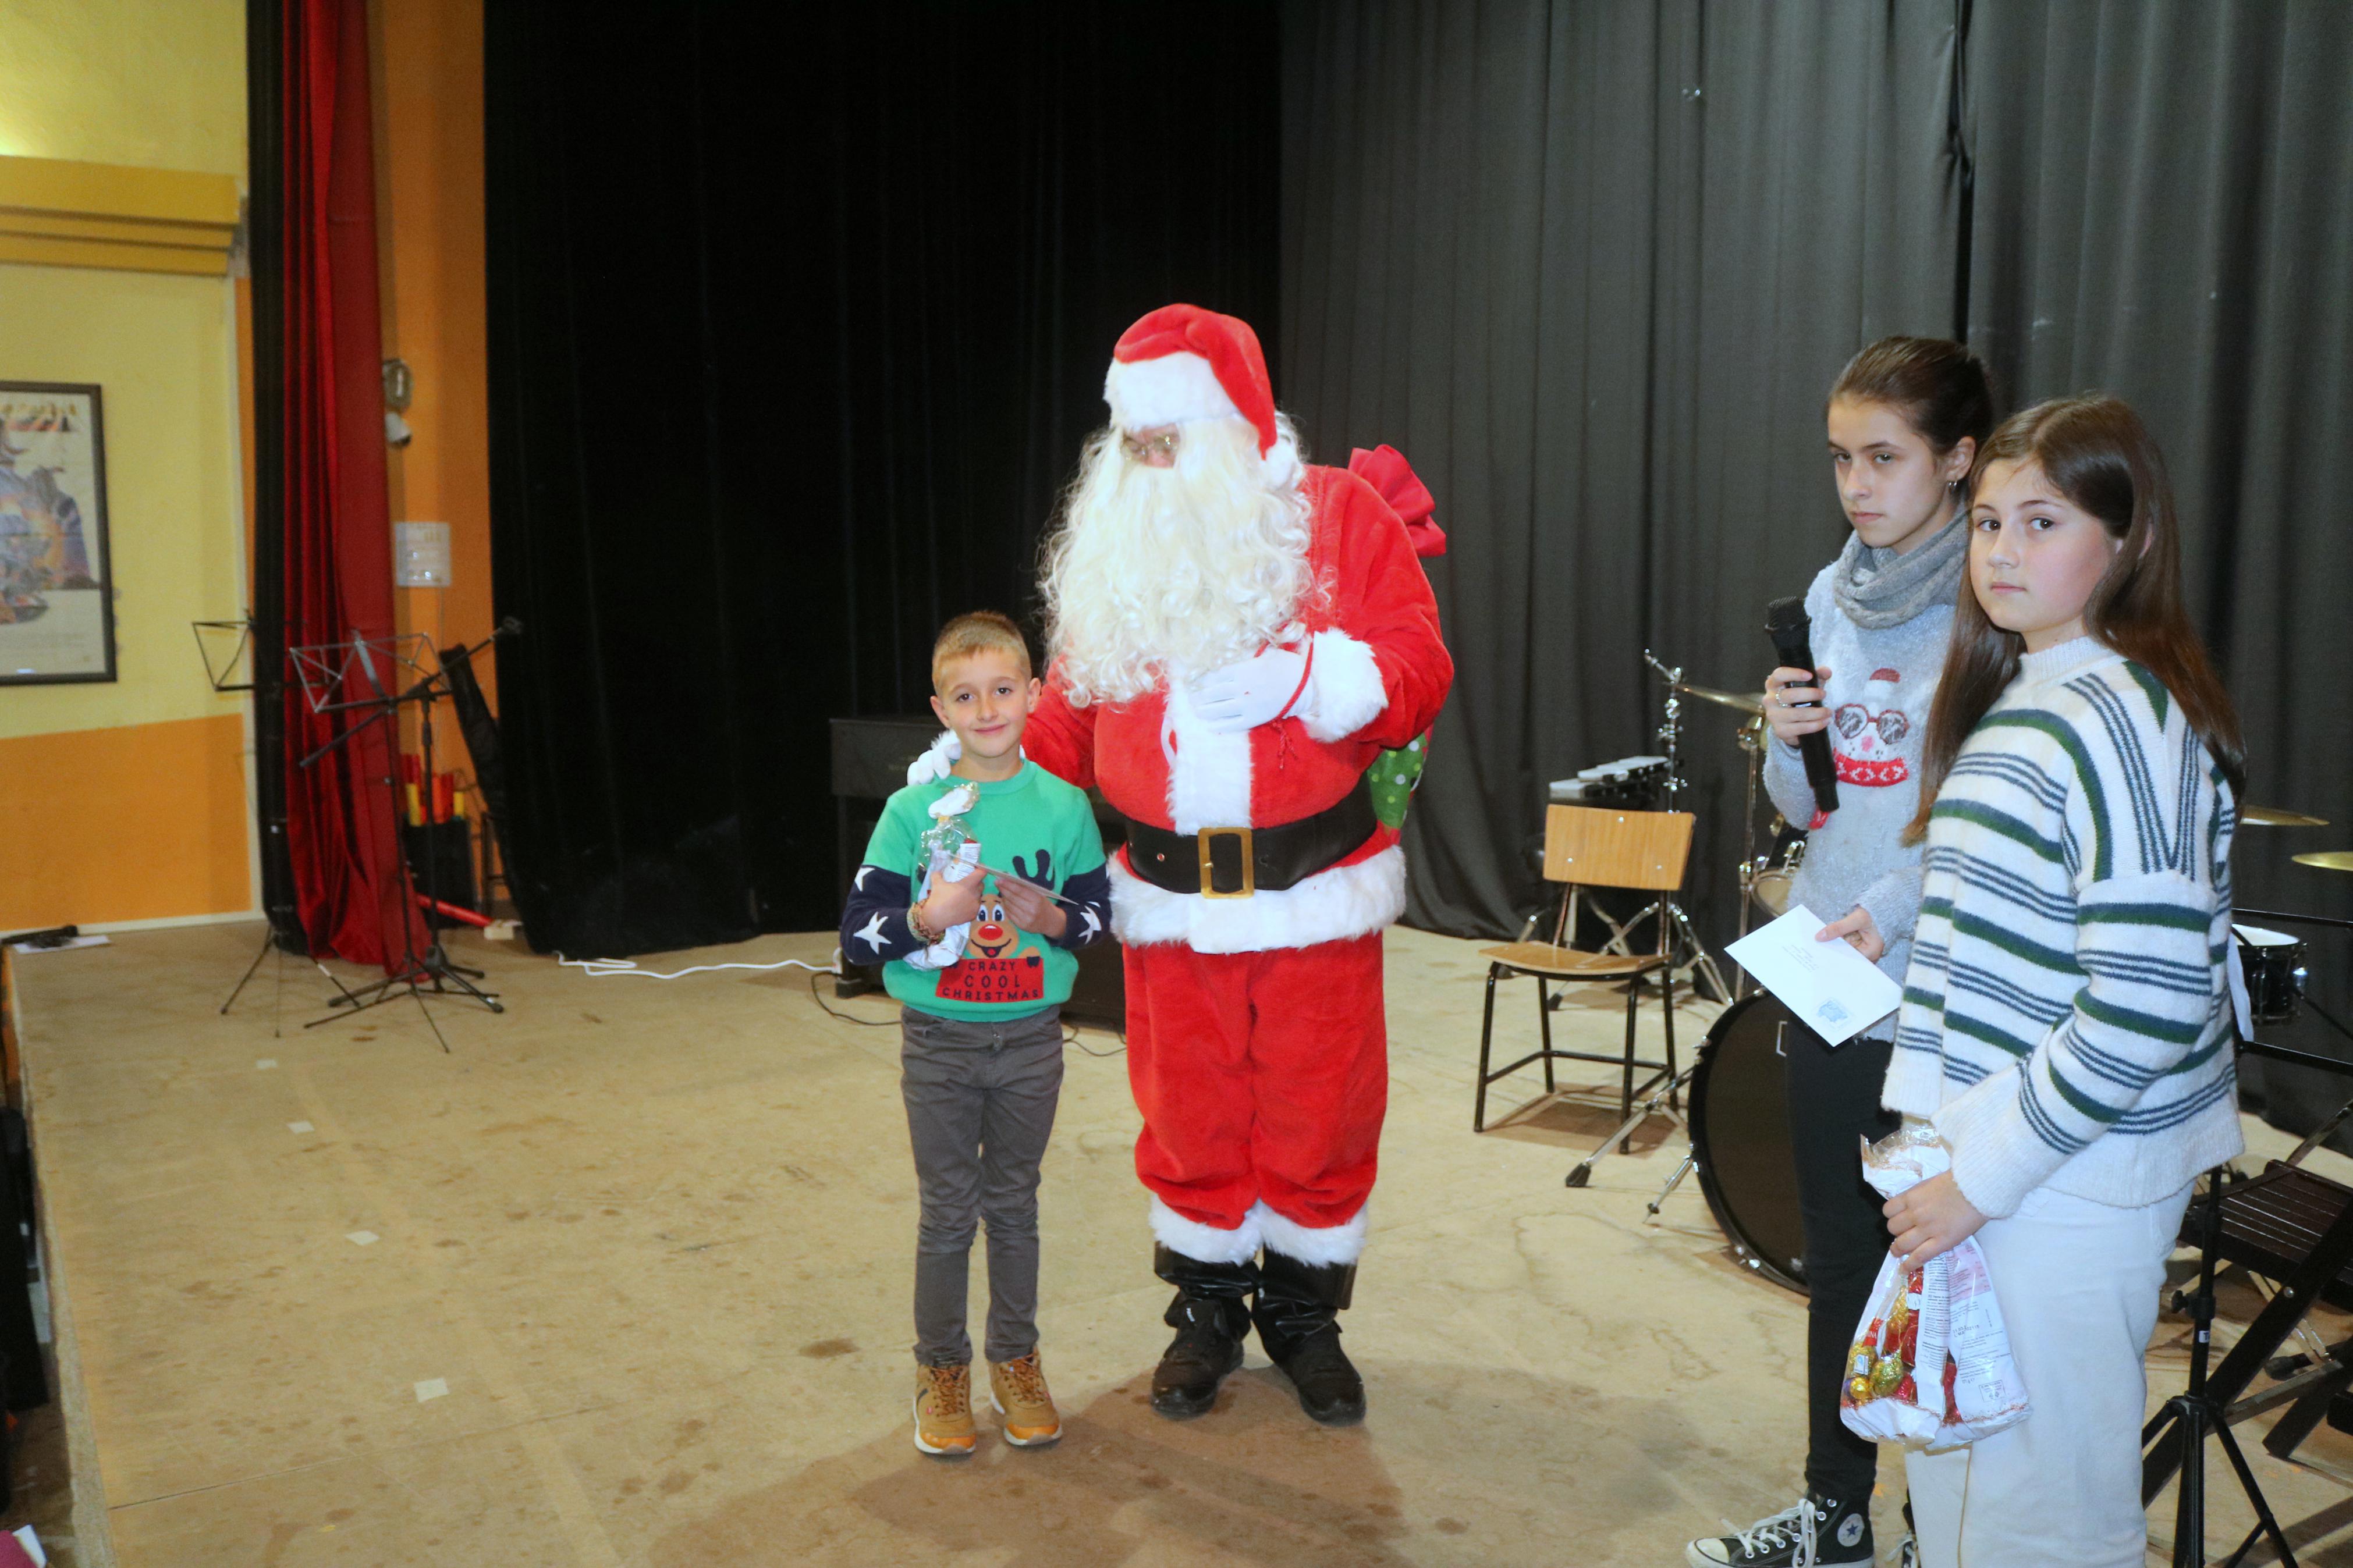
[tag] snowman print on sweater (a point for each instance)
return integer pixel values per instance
(1869, 734)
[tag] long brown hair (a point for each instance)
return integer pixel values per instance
(2096, 452)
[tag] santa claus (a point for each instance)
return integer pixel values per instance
(1235, 637)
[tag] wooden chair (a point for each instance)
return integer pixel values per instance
(1589, 849)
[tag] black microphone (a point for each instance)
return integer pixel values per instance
(1786, 624)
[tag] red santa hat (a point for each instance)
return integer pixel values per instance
(1180, 362)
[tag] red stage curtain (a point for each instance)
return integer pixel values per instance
(342, 833)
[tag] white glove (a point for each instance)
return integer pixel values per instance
(935, 764)
(947, 868)
(1244, 696)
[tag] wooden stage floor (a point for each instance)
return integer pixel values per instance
(623, 1278)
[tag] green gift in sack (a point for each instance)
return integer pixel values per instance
(1393, 775)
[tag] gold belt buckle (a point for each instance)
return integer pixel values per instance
(1250, 866)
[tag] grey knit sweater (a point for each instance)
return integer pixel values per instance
(2065, 1020)
(1880, 684)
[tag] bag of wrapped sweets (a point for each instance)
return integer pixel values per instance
(1931, 1364)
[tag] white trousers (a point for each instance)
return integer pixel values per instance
(2079, 1284)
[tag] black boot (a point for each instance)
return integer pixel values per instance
(1210, 1315)
(1297, 1314)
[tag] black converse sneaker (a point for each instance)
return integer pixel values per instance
(1815, 1532)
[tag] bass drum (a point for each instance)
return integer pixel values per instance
(1740, 1140)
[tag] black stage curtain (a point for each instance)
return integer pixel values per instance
(1593, 268)
(2162, 211)
(798, 318)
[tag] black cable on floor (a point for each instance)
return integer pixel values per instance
(833, 1012)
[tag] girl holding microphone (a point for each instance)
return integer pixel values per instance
(1905, 419)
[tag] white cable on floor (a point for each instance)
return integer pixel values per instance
(598, 967)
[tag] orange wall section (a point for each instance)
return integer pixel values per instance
(134, 823)
(429, 67)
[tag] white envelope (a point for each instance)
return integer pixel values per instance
(1832, 989)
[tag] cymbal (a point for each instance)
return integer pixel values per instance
(2328, 859)
(1740, 702)
(2279, 817)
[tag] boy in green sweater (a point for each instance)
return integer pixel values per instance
(977, 891)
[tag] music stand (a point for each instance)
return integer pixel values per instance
(221, 671)
(325, 670)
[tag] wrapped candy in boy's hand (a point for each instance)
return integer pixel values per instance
(948, 832)
(951, 889)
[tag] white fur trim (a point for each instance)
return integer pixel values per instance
(1343, 691)
(1331, 906)
(1208, 774)
(1283, 465)
(1312, 1245)
(1165, 391)
(1205, 1243)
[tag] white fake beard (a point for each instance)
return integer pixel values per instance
(1180, 570)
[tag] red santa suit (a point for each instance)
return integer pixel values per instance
(1257, 1047)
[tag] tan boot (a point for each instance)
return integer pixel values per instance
(943, 1411)
(1018, 1389)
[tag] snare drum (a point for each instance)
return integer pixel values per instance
(1774, 887)
(1773, 890)
(2273, 965)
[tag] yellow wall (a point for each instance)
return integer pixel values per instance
(126, 801)
(161, 349)
(156, 83)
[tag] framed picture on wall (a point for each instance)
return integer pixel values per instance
(56, 599)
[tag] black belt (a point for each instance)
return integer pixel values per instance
(1235, 862)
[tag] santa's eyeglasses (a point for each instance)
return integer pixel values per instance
(1150, 444)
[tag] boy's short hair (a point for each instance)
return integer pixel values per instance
(968, 634)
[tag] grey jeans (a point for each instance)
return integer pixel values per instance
(980, 1106)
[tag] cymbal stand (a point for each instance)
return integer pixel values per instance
(1686, 943)
(1667, 1097)
(1751, 742)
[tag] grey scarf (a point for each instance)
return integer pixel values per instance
(1879, 589)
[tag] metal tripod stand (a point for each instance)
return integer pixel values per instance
(429, 971)
(1686, 943)
(1683, 946)
(2195, 1414)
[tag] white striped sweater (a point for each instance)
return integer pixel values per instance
(2066, 1017)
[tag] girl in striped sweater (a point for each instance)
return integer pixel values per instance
(2066, 1024)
